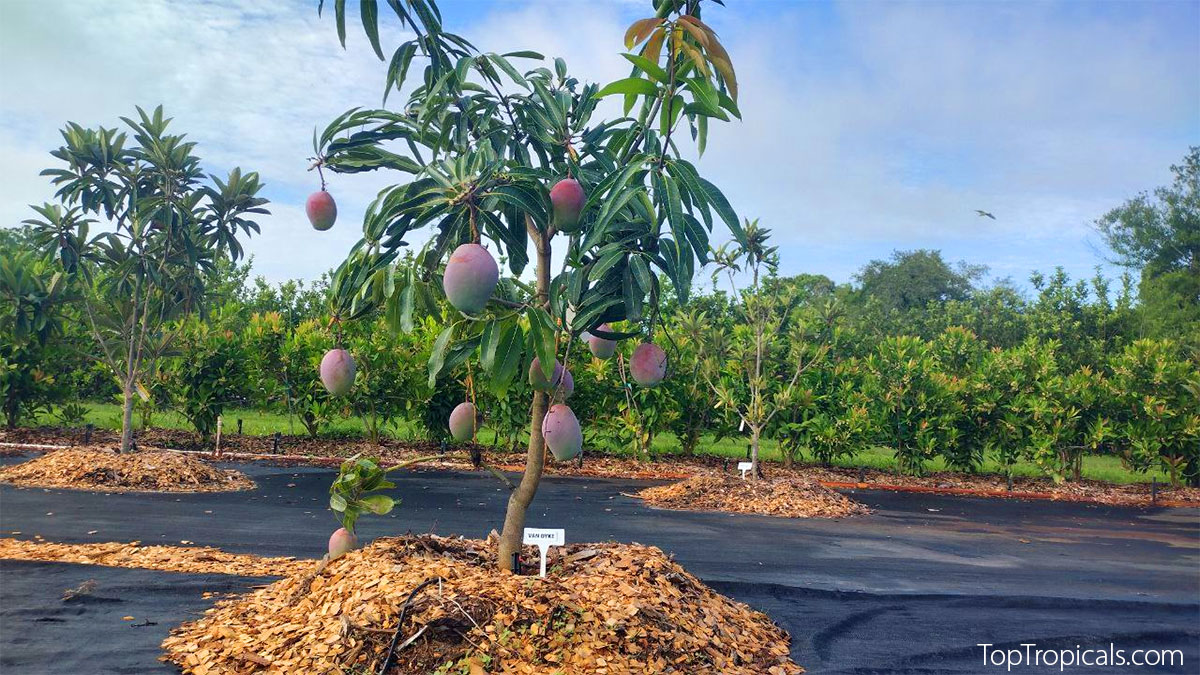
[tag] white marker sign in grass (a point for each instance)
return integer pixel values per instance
(744, 467)
(544, 539)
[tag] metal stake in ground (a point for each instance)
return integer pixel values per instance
(217, 445)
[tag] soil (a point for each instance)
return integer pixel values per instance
(786, 496)
(669, 467)
(99, 468)
(603, 608)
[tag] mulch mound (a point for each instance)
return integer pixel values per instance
(191, 559)
(787, 497)
(992, 485)
(93, 468)
(182, 439)
(603, 608)
(666, 467)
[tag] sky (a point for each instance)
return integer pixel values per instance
(867, 126)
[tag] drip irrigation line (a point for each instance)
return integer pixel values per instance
(387, 661)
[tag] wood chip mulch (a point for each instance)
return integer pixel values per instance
(192, 559)
(784, 496)
(667, 467)
(97, 468)
(603, 608)
(991, 485)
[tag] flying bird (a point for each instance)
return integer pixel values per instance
(984, 214)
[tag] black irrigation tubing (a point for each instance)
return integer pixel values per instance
(387, 661)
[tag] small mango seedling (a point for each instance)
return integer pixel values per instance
(351, 495)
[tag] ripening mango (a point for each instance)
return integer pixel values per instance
(337, 371)
(341, 542)
(463, 421)
(648, 365)
(470, 278)
(321, 210)
(537, 379)
(601, 348)
(560, 429)
(568, 386)
(568, 199)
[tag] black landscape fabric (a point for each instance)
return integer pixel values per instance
(914, 587)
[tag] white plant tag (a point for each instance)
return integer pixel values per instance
(744, 467)
(544, 539)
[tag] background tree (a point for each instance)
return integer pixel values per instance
(165, 231)
(691, 396)
(33, 301)
(913, 279)
(483, 142)
(1159, 236)
(205, 371)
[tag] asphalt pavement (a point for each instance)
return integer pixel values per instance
(913, 587)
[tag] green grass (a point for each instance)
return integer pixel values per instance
(1095, 467)
(254, 422)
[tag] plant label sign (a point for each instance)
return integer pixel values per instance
(544, 539)
(744, 467)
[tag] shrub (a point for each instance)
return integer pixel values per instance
(207, 374)
(914, 405)
(1156, 408)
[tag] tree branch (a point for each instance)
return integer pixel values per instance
(500, 476)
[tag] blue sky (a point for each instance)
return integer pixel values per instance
(868, 126)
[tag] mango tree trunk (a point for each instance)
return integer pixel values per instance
(127, 419)
(535, 455)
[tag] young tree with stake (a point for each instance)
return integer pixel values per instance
(497, 159)
(770, 348)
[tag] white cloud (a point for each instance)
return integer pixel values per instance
(867, 126)
(920, 113)
(248, 82)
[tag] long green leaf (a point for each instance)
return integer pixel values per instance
(641, 272)
(649, 67)
(723, 209)
(629, 85)
(339, 17)
(507, 362)
(542, 333)
(437, 357)
(369, 12)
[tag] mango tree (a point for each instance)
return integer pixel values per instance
(499, 157)
(162, 230)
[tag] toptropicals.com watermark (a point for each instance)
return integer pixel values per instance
(1028, 654)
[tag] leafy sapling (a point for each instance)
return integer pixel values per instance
(355, 491)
